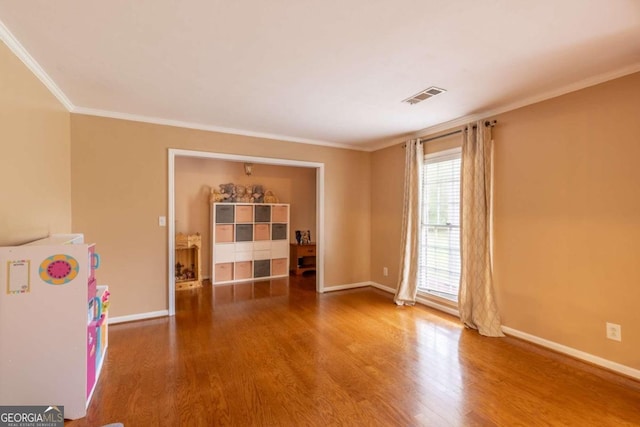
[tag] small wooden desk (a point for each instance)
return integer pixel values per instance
(303, 258)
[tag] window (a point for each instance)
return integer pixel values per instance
(440, 229)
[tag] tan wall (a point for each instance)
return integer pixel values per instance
(387, 181)
(35, 156)
(387, 175)
(119, 177)
(195, 176)
(567, 218)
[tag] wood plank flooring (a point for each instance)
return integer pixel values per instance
(275, 353)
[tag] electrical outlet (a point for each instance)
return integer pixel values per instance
(614, 332)
(162, 221)
(385, 271)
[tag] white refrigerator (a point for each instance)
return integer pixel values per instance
(49, 317)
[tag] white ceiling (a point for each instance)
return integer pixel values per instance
(320, 71)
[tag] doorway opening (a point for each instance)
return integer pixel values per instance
(171, 229)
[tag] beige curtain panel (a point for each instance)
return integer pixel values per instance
(476, 301)
(410, 244)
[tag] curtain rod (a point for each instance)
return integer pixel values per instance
(488, 123)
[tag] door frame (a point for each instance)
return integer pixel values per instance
(171, 224)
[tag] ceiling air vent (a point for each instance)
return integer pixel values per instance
(425, 94)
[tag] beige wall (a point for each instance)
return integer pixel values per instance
(567, 218)
(387, 176)
(34, 160)
(195, 176)
(119, 177)
(567, 228)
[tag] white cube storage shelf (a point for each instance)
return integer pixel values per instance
(249, 241)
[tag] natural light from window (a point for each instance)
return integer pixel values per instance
(440, 230)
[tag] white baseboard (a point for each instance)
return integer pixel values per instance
(578, 354)
(560, 348)
(383, 287)
(581, 355)
(139, 316)
(421, 300)
(449, 310)
(587, 357)
(346, 286)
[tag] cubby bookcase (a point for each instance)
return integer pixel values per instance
(249, 241)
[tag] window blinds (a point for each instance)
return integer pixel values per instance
(440, 231)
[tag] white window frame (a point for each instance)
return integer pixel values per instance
(436, 157)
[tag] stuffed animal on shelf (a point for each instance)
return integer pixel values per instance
(269, 197)
(242, 195)
(228, 192)
(257, 194)
(215, 196)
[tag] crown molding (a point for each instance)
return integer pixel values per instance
(431, 130)
(14, 45)
(462, 121)
(210, 128)
(396, 140)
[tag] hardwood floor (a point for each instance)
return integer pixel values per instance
(275, 353)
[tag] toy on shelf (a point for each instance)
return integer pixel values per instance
(234, 193)
(303, 237)
(188, 266)
(269, 197)
(105, 301)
